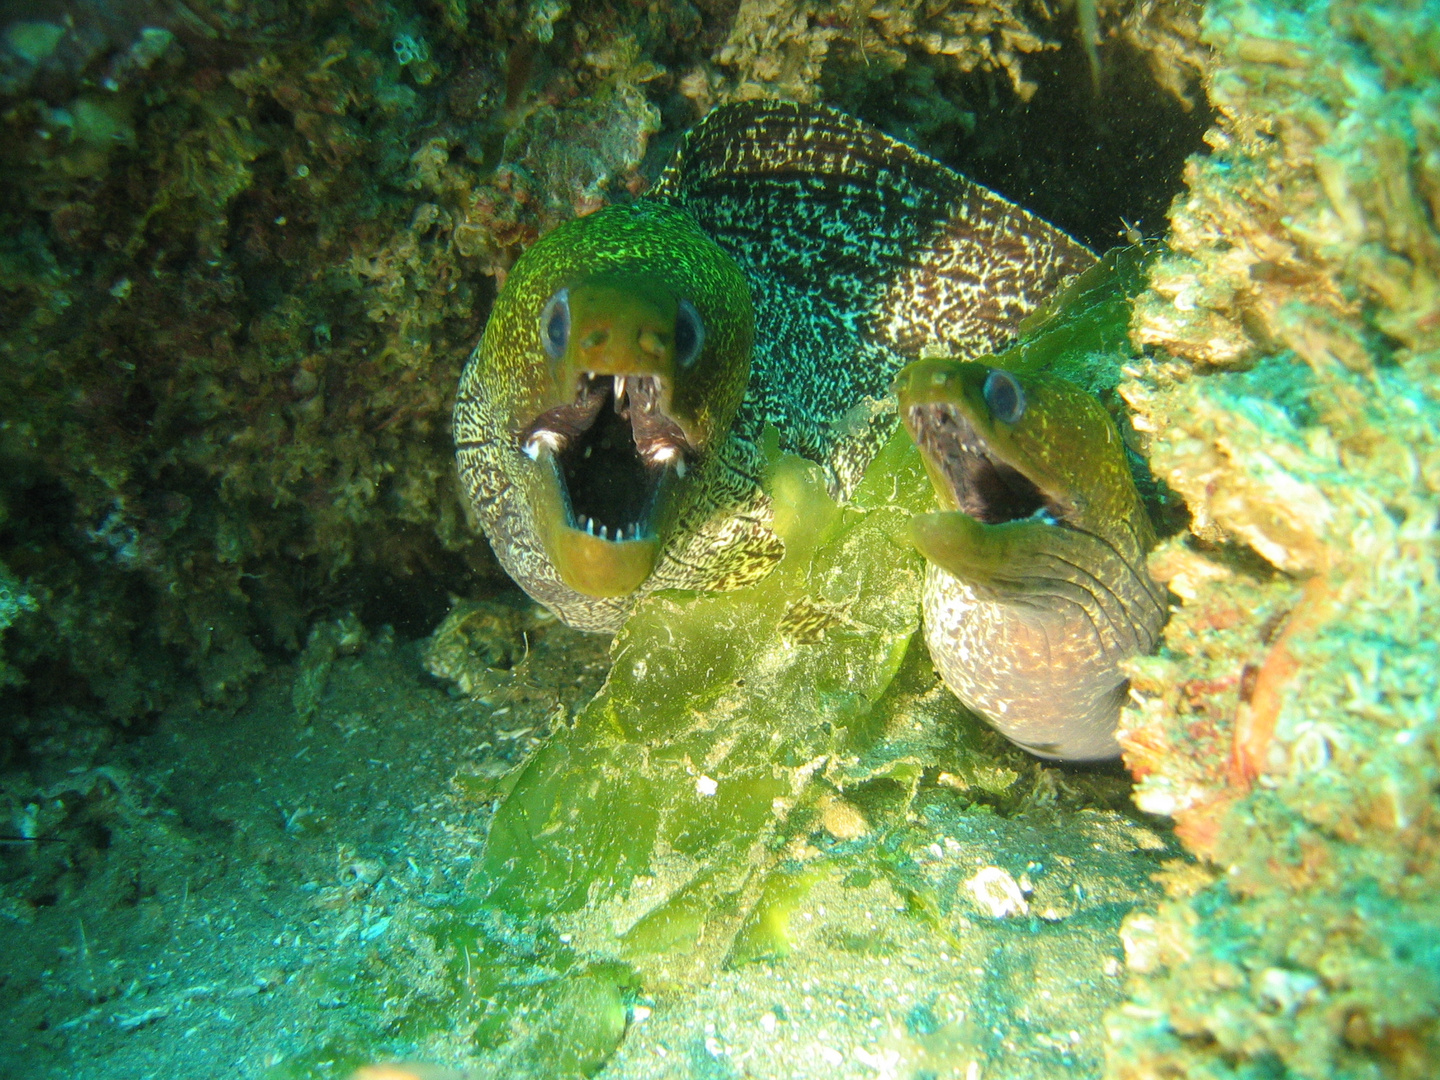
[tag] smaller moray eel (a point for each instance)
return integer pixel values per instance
(1037, 587)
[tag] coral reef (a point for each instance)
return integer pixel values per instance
(778, 48)
(1289, 723)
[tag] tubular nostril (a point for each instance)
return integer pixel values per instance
(650, 343)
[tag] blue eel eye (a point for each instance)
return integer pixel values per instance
(1003, 396)
(555, 324)
(689, 333)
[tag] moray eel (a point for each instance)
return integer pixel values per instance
(612, 425)
(1037, 586)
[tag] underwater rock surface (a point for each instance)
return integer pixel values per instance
(1289, 722)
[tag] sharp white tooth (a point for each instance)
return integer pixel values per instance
(542, 439)
(604, 532)
(680, 468)
(590, 526)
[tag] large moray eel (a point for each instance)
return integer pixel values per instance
(1037, 586)
(609, 427)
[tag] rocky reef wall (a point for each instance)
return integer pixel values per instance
(247, 252)
(1289, 723)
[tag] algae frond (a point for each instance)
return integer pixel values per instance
(667, 799)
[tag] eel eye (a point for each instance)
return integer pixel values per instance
(689, 333)
(1003, 396)
(555, 324)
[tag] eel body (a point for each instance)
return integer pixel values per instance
(610, 425)
(1037, 587)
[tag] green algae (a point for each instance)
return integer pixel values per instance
(718, 711)
(1078, 332)
(670, 797)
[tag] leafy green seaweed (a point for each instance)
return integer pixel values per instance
(718, 711)
(1078, 331)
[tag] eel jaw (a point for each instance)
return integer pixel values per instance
(969, 475)
(608, 465)
(997, 511)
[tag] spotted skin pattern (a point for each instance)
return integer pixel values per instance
(1030, 619)
(862, 254)
(859, 253)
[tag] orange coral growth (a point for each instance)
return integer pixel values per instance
(1255, 719)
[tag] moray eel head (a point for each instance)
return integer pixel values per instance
(1038, 588)
(1002, 448)
(618, 353)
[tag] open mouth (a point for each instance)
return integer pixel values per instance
(983, 487)
(613, 450)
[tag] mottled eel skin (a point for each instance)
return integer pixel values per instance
(609, 426)
(1037, 586)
